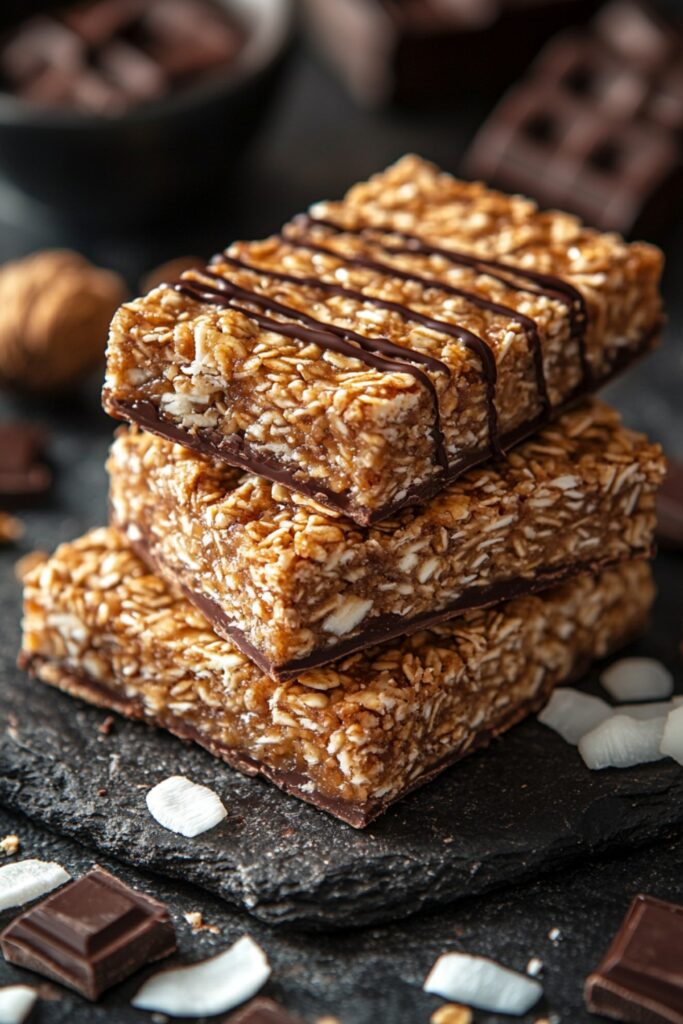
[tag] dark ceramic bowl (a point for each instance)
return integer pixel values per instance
(89, 169)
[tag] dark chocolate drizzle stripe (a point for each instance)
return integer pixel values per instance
(529, 325)
(401, 352)
(545, 284)
(236, 452)
(468, 338)
(325, 335)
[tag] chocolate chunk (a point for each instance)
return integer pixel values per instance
(417, 52)
(594, 127)
(90, 935)
(640, 978)
(670, 507)
(262, 1011)
(22, 470)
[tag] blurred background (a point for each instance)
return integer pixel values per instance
(134, 132)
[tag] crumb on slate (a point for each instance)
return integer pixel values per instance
(196, 922)
(106, 726)
(11, 528)
(9, 845)
(554, 934)
(534, 967)
(452, 1013)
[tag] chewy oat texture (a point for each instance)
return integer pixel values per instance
(294, 586)
(382, 344)
(350, 738)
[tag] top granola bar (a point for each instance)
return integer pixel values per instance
(379, 346)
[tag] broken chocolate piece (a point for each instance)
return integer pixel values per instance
(640, 978)
(262, 1011)
(592, 128)
(90, 935)
(670, 506)
(23, 473)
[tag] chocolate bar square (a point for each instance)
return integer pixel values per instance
(594, 128)
(90, 934)
(640, 978)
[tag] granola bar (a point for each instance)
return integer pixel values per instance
(379, 346)
(294, 586)
(351, 738)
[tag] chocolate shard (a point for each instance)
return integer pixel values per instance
(262, 1011)
(670, 507)
(90, 935)
(640, 978)
(23, 472)
(594, 127)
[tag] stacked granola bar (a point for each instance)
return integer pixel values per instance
(367, 514)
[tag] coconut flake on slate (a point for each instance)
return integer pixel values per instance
(16, 1002)
(482, 983)
(652, 709)
(210, 987)
(622, 742)
(637, 679)
(183, 806)
(672, 740)
(572, 714)
(27, 879)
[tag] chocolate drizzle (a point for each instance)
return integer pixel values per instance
(380, 353)
(401, 352)
(529, 326)
(507, 274)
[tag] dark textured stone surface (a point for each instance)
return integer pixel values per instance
(375, 976)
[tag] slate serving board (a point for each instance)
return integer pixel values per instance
(525, 806)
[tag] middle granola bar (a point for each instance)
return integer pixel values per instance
(294, 586)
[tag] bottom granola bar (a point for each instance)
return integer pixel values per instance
(350, 738)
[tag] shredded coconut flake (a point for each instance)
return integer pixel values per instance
(633, 679)
(185, 807)
(572, 714)
(672, 740)
(25, 880)
(482, 983)
(622, 742)
(16, 1003)
(210, 987)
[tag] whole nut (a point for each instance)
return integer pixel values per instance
(55, 309)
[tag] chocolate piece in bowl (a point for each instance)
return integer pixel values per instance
(593, 128)
(380, 346)
(640, 978)
(351, 738)
(106, 56)
(295, 587)
(91, 934)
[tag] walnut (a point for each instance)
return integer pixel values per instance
(56, 308)
(10, 528)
